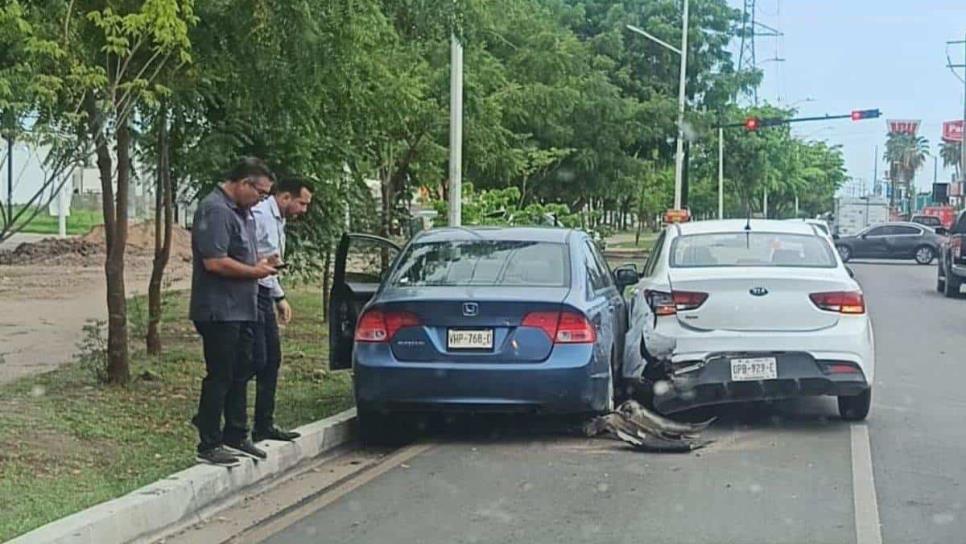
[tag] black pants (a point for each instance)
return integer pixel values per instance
(228, 361)
(268, 357)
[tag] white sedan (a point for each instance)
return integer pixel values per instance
(737, 310)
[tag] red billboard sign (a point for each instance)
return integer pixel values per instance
(904, 126)
(953, 131)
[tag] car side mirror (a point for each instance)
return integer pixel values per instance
(942, 231)
(625, 275)
(850, 271)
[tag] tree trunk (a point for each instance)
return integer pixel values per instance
(115, 236)
(326, 283)
(162, 237)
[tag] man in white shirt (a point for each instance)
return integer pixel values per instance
(291, 199)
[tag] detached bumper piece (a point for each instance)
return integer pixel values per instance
(702, 383)
(647, 431)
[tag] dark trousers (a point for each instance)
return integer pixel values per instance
(268, 357)
(228, 361)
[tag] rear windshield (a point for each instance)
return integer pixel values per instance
(484, 263)
(751, 249)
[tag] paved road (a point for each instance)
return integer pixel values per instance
(790, 472)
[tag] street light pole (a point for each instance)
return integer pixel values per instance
(456, 133)
(10, 180)
(682, 96)
(679, 156)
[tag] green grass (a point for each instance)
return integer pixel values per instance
(647, 240)
(79, 222)
(69, 443)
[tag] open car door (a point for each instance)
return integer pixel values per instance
(361, 264)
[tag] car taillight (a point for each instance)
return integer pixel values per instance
(841, 368)
(380, 326)
(562, 327)
(956, 246)
(843, 302)
(663, 303)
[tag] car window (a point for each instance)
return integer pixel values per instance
(878, 231)
(726, 249)
(484, 263)
(597, 272)
(905, 230)
(655, 254)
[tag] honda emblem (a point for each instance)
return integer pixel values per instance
(471, 309)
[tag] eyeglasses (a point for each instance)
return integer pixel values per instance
(262, 193)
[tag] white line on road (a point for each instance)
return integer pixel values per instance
(867, 528)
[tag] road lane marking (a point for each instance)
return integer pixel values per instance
(328, 496)
(867, 527)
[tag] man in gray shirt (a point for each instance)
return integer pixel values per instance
(224, 296)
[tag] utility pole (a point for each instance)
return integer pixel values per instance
(721, 128)
(875, 169)
(679, 156)
(10, 179)
(456, 132)
(952, 67)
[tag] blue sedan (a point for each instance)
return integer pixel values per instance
(482, 319)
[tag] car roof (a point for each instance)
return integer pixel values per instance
(524, 234)
(738, 225)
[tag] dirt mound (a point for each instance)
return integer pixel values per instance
(88, 250)
(140, 236)
(51, 248)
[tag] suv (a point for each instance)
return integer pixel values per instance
(952, 259)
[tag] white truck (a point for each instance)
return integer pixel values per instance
(853, 214)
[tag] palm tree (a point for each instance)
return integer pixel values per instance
(951, 154)
(906, 154)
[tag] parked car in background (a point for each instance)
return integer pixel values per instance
(891, 241)
(478, 319)
(952, 259)
(739, 310)
(821, 225)
(927, 220)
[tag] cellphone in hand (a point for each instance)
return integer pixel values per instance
(280, 266)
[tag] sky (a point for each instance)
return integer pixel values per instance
(843, 55)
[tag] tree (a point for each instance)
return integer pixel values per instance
(952, 155)
(906, 154)
(104, 62)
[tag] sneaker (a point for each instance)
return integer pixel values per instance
(274, 433)
(248, 448)
(218, 456)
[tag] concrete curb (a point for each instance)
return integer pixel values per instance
(181, 498)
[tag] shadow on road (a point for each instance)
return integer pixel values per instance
(804, 415)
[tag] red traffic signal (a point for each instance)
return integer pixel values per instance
(751, 123)
(858, 115)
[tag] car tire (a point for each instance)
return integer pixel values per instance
(925, 254)
(856, 408)
(383, 429)
(951, 286)
(845, 252)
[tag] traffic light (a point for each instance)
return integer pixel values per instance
(858, 115)
(751, 124)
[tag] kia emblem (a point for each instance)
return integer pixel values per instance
(471, 309)
(758, 291)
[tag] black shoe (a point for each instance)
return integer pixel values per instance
(274, 433)
(218, 456)
(248, 448)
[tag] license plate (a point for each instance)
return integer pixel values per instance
(470, 339)
(760, 368)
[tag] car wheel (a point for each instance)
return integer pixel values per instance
(925, 254)
(951, 287)
(856, 408)
(383, 428)
(844, 252)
